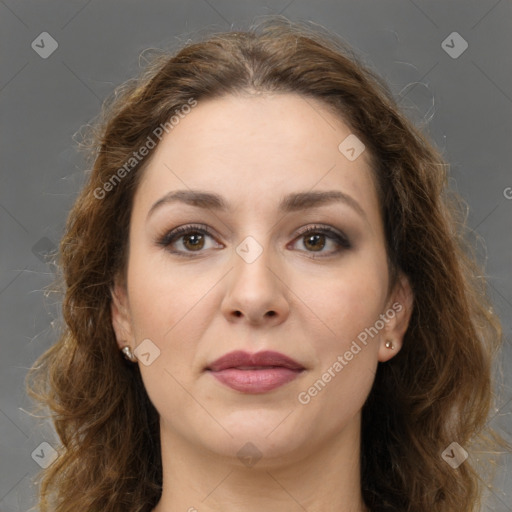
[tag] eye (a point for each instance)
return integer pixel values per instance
(316, 238)
(191, 238)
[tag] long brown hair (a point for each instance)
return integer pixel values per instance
(437, 390)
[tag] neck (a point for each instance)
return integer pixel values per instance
(322, 478)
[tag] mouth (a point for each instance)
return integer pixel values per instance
(255, 373)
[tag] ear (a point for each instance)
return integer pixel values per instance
(398, 314)
(120, 313)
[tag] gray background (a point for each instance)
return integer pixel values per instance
(464, 103)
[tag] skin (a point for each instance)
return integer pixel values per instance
(253, 150)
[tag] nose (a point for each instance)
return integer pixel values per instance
(256, 291)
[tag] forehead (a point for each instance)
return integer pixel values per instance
(258, 147)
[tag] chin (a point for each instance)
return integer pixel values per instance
(260, 434)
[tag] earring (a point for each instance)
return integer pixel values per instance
(128, 354)
(389, 344)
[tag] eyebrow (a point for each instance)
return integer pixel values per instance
(290, 203)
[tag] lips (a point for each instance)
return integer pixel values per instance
(255, 373)
(261, 360)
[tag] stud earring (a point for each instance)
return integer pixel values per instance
(128, 354)
(389, 344)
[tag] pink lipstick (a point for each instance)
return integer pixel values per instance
(255, 373)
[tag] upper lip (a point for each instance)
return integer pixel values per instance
(244, 360)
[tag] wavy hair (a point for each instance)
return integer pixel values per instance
(436, 390)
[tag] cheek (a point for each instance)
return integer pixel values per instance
(347, 301)
(162, 296)
(344, 339)
(347, 356)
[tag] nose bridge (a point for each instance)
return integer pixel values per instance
(253, 259)
(254, 288)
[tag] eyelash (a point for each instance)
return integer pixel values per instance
(170, 237)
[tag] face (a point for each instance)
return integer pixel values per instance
(302, 277)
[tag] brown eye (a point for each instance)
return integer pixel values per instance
(315, 242)
(316, 238)
(193, 241)
(185, 240)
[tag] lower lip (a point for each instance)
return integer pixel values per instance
(255, 381)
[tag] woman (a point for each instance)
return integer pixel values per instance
(269, 243)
